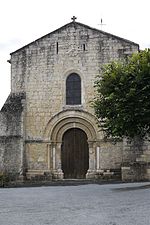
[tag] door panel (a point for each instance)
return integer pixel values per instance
(75, 154)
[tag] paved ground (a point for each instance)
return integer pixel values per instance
(92, 204)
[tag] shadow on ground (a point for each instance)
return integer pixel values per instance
(132, 188)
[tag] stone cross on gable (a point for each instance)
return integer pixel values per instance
(74, 18)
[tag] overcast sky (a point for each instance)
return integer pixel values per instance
(23, 21)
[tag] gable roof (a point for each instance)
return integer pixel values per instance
(80, 24)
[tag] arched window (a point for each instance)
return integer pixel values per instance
(73, 89)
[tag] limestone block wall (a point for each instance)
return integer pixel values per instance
(3, 130)
(40, 70)
(110, 155)
(3, 124)
(12, 155)
(2, 149)
(37, 156)
(11, 134)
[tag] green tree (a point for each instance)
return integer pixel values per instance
(122, 102)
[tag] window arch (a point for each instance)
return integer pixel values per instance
(73, 89)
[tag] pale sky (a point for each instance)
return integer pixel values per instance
(23, 21)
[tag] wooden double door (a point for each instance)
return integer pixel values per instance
(74, 154)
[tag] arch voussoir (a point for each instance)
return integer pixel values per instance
(67, 120)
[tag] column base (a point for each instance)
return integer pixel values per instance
(91, 174)
(21, 178)
(58, 174)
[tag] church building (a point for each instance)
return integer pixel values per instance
(47, 124)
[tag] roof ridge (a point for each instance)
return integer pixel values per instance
(81, 24)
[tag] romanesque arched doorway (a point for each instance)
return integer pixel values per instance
(74, 154)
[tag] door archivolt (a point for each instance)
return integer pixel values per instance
(68, 119)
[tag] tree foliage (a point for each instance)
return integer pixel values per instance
(123, 96)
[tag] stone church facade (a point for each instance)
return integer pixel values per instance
(47, 124)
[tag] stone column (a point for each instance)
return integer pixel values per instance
(58, 174)
(98, 158)
(49, 155)
(54, 157)
(92, 164)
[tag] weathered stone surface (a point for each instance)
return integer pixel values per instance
(11, 133)
(35, 116)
